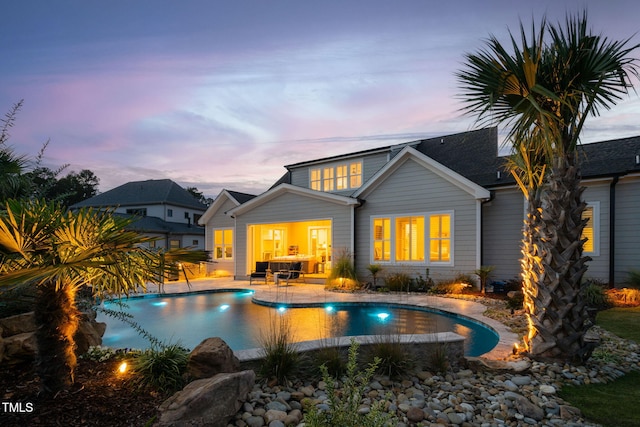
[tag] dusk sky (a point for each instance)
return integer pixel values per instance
(223, 94)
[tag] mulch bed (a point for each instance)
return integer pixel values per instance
(101, 398)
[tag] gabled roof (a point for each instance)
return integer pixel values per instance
(235, 197)
(439, 169)
(150, 192)
(288, 188)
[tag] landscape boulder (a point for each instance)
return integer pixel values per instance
(212, 356)
(210, 402)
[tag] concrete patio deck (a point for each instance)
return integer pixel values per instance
(314, 293)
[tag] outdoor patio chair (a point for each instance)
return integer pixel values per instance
(293, 273)
(261, 272)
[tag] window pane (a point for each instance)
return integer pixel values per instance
(328, 179)
(409, 239)
(355, 174)
(587, 232)
(228, 237)
(316, 178)
(440, 238)
(381, 239)
(341, 177)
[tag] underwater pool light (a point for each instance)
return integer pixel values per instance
(159, 303)
(282, 309)
(329, 308)
(383, 316)
(224, 307)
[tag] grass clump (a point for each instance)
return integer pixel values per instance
(280, 355)
(393, 360)
(161, 368)
(344, 403)
(343, 274)
(595, 295)
(611, 404)
(332, 358)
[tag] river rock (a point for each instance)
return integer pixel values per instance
(207, 402)
(212, 356)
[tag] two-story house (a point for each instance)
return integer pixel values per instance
(444, 204)
(164, 210)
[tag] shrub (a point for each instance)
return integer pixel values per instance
(516, 301)
(391, 354)
(161, 368)
(280, 355)
(343, 272)
(423, 284)
(332, 358)
(439, 359)
(595, 294)
(374, 269)
(398, 281)
(633, 279)
(344, 404)
(450, 287)
(483, 275)
(624, 297)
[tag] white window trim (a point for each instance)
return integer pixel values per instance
(427, 240)
(596, 229)
(213, 240)
(334, 179)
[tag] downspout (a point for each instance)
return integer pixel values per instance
(612, 230)
(492, 195)
(353, 224)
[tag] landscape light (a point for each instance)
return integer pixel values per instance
(122, 368)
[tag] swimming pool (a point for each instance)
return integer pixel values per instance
(187, 319)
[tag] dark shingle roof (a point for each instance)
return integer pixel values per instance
(241, 197)
(150, 224)
(474, 155)
(150, 192)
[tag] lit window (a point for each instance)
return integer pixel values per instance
(174, 244)
(316, 179)
(440, 238)
(328, 179)
(410, 238)
(341, 177)
(355, 174)
(223, 244)
(382, 239)
(591, 229)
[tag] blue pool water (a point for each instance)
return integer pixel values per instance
(187, 319)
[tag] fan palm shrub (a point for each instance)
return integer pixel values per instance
(56, 252)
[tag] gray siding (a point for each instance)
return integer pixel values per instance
(291, 207)
(502, 222)
(220, 220)
(414, 189)
(627, 255)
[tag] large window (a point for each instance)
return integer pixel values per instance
(223, 243)
(591, 230)
(339, 177)
(406, 238)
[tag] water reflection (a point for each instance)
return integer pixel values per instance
(233, 317)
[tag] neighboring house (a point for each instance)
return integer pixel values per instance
(443, 206)
(165, 210)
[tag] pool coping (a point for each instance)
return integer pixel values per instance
(316, 294)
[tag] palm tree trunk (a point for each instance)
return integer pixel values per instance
(56, 318)
(556, 310)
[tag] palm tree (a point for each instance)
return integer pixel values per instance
(543, 92)
(58, 252)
